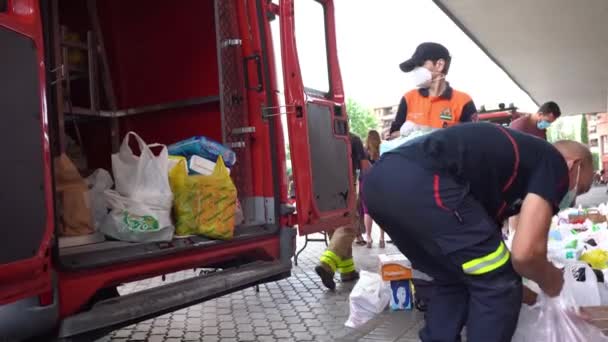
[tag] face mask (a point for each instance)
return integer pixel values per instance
(570, 196)
(542, 124)
(422, 77)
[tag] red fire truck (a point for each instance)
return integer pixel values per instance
(90, 71)
(502, 115)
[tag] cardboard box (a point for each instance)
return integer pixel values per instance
(395, 267)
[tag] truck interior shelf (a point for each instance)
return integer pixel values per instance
(143, 109)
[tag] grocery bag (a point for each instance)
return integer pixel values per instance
(137, 220)
(142, 177)
(141, 205)
(409, 132)
(74, 206)
(369, 297)
(556, 319)
(99, 181)
(204, 205)
(203, 147)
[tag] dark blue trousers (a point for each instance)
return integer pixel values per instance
(436, 222)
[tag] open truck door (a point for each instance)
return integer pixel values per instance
(25, 184)
(316, 118)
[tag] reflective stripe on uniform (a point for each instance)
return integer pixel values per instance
(330, 259)
(346, 266)
(487, 263)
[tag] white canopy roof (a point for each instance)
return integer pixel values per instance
(553, 49)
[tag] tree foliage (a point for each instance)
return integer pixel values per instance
(584, 130)
(360, 119)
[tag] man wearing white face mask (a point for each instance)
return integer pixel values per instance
(434, 104)
(444, 213)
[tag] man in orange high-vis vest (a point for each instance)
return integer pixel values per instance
(434, 104)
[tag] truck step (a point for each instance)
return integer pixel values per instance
(122, 311)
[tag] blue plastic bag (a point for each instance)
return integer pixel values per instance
(203, 147)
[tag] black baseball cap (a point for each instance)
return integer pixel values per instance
(424, 52)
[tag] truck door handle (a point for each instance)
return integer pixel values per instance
(258, 61)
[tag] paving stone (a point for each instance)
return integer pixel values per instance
(156, 338)
(298, 327)
(282, 333)
(139, 336)
(262, 330)
(161, 322)
(246, 336)
(122, 333)
(143, 327)
(278, 325)
(260, 323)
(244, 327)
(175, 333)
(302, 336)
(192, 336)
(211, 331)
(227, 333)
(227, 325)
(158, 331)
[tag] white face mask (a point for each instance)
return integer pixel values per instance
(422, 77)
(570, 196)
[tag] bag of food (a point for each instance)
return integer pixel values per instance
(203, 147)
(556, 319)
(137, 220)
(74, 206)
(141, 204)
(99, 181)
(369, 297)
(144, 176)
(204, 205)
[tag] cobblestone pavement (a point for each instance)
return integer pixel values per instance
(295, 309)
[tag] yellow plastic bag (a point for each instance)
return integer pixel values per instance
(203, 205)
(597, 258)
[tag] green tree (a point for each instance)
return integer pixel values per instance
(360, 119)
(584, 130)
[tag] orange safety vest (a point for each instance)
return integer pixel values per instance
(435, 111)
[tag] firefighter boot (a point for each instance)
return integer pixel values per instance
(347, 270)
(327, 268)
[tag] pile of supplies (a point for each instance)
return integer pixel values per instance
(157, 193)
(577, 243)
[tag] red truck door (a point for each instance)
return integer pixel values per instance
(26, 214)
(316, 116)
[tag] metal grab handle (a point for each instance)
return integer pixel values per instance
(258, 61)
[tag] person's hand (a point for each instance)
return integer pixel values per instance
(552, 281)
(394, 135)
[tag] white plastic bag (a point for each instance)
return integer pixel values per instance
(409, 131)
(99, 181)
(141, 204)
(142, 177)
(555, 319)
(369, 297)
(137, 221)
